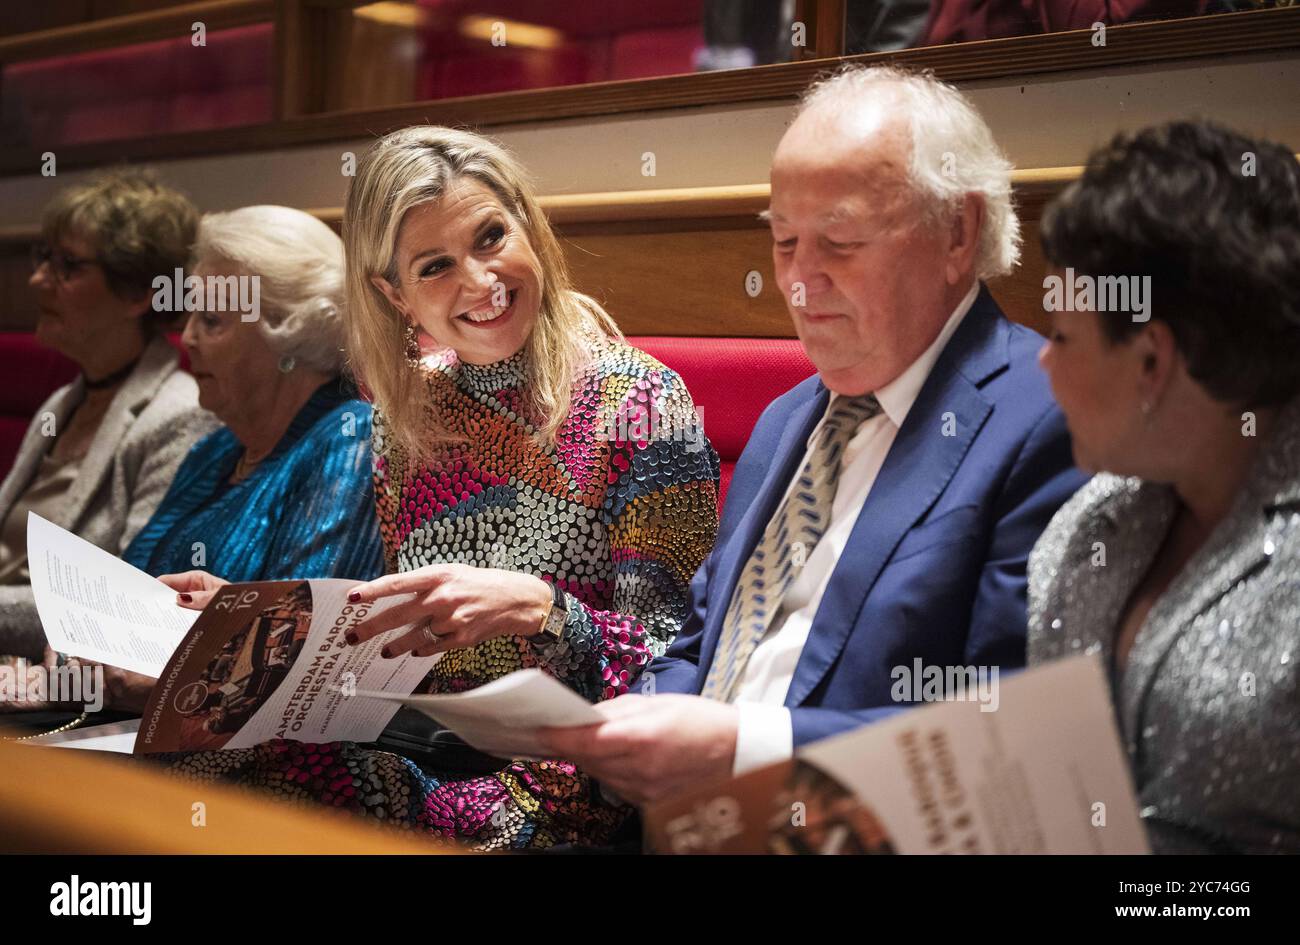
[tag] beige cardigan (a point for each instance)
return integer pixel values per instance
(151, 424)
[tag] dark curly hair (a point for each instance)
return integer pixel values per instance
(1179, 203)
(140, 229)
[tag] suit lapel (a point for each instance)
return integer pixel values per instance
(789, 453)
(919, 466)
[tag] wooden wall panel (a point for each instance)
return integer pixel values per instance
(1021, 293)
(682, 283)
(668, 262)
(693, 282)
(28, 17)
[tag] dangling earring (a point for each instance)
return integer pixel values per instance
(287, 364)
(412, 347)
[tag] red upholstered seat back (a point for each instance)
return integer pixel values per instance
(593, 42)
(144, 89)
(31, 373)
(731, 380)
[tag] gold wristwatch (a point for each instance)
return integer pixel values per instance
(552, 629)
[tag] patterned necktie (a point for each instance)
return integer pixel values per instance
(787, 543)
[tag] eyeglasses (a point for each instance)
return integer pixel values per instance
(63, 265)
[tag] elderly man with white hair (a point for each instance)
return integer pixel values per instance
(875, 538)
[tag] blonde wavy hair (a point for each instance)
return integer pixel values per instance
(412, 167)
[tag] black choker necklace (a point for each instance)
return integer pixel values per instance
(111, 380)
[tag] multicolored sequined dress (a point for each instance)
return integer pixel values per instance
(620, 512)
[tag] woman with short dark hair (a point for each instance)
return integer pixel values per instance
(1180, 562)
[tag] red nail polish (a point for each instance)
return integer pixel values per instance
(351, 637)
(354, 596)
(186, 598)
(386, 654)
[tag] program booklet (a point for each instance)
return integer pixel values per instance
(270, 660)
(264, 660)
(1042, 773)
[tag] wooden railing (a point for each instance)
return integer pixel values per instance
(64, 800)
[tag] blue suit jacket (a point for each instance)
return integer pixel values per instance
(935, 564)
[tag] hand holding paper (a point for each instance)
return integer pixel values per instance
(502, 717)
(95, 606)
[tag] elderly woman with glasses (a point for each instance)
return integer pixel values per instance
(101, 451)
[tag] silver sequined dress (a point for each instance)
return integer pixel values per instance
(1209, 703)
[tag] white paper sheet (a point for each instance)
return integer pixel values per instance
(95, 606)
(501, 717)
(112, 736)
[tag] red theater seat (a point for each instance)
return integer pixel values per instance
(594, 42)
(33, 372)
(144, 89)
(731, 381)
(654, 52)
(508, 70)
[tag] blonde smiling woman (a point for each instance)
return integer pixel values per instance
(538, 504)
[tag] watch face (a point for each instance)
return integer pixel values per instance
(555, 620)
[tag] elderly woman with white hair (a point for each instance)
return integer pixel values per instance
(283, 488)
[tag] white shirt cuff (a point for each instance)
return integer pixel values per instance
(764, 736)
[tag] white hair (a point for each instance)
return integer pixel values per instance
(299, 262)
(953, 151)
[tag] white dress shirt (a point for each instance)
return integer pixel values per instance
(766, 732)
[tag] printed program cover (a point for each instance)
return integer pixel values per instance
(269, 660)
(1043, 773)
